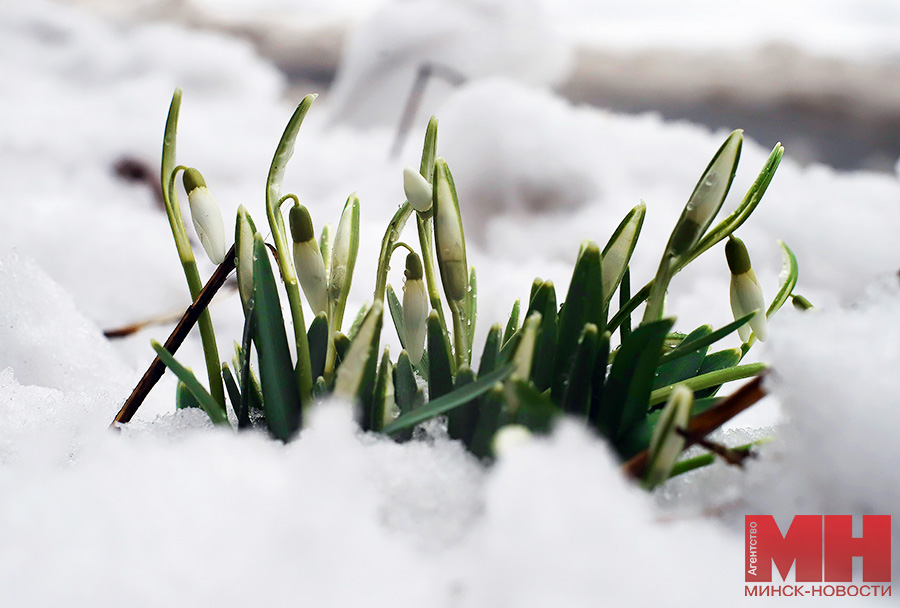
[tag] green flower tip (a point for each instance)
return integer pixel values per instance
(413, 267)
(192, 180)
(737, 255)
(301, 224)
(800, 303)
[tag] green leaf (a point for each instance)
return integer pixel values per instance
(204, 399)
(440, 372)
(627, 392)
(523, 357)
(692, 343)
(234, 393)
(471, 311)
(673, 371)
(184, 399)
(528, 407)
(666, 443)
(577, 394)
(341, 346)
(396, 310)
(357, 321)
(624, 299)
(408, 394)
(790, 271)
(281, 395)
(617, 253)
(383, 404)
(490, 411)
(491, 352)
(717, 361)
(512, 326)
(343, 260)
(461, 420)
(584, 304)
(544, 302)
(317, 335)
(598, 380)
(429, 150)
(355, 379)
(455, 398)
(711, 379)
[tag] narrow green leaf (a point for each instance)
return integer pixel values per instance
(281, 395)
(355, 379)
(445, 403)
(429, 150)
(691, 344)
(471, 310)
(617, 253)
(341, 346)
(584, 304)
(598, 379)
(396, 310)
(357, 321)
(711, 379)
(461, 421)
(184, 399)
(491, 352)
(489, 413)
(666, 443)
(204, 399)
(577, 393)
(544, 302)
(512, 326)
(383, 403)
(624, 299)
(528, 407)
(317, 335)
(714, 362)
(523, 357)
(408, 394)
(234, 393)
(627, 391)
(790, 271)
(440, 372)
(673, 371)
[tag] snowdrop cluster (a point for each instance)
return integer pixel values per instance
(646, 388)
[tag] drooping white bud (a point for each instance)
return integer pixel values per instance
(746, 293)
(418, 190)
(308, 259)
(415, 308)
(206, 216)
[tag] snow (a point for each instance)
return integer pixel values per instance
(172, 511)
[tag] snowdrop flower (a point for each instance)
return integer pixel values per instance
(308, 259)
(746, 294)
(418, 190)
(206, 216)
(450, 242)
(415, 308)
(243, 259)
(708, 195)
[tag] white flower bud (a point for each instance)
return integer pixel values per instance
(418, 190)
(746, 294)
(415, 309)
(510, 437)
(206, 216)
(308, 260)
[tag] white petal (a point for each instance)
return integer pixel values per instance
(415, 314)
(208, 223)
(417, 189)
(747, 296)
(311, 273)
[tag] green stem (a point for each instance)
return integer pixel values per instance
(391, 235)
(434, 295)
(185, 253)
(657, 297)
(460, 340)
(710, 379)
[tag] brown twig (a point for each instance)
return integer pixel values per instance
(734, 457)
(188, 319)
(706, 422)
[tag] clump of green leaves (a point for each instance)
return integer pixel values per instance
(576, 352)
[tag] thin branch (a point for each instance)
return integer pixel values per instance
(706, 422)
(188, 319)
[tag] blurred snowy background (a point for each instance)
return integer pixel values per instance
(570, 113)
